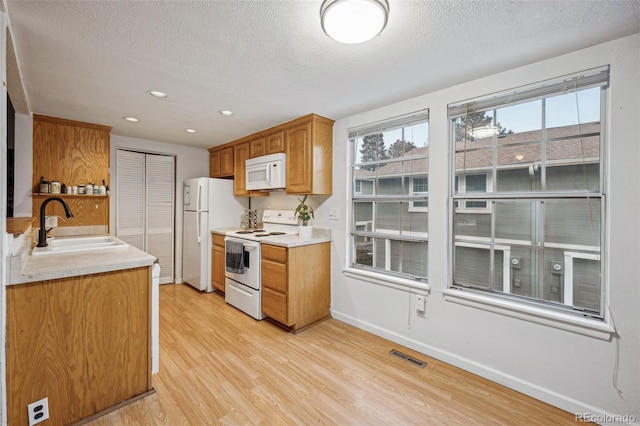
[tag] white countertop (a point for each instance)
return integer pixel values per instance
(320, 235)
(26, 268)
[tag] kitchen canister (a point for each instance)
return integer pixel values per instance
(55, 187)
(44, 186)
(89, 189)
(81, 189)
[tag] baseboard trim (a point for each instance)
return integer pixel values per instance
(563, 402)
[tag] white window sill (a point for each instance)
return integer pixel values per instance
(414, 286)
(585, 326)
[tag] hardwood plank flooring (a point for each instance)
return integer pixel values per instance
(220, 366)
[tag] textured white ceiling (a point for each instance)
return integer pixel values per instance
(269, 62)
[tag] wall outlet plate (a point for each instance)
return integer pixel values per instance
(38, 411)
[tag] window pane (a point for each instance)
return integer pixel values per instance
(395, 217)
(476, 183)
(586, 284)
(363, 215)
(420, 185)
(573, 222)
(407, 141)
(520, 123)
(364, 251)
(572, 108)
(370, 148)
(515, 220)
(579, 164)
(473, 267)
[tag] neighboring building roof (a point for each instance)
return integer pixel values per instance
(564, 145)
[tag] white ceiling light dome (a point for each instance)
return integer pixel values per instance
(353, 21)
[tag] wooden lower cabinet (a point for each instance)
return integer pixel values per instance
(296, 284)
(217, 263)
(82, 342)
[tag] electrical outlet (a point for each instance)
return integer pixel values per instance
(38, 411)
(51, 221)
(420, 305)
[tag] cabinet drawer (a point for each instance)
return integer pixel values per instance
(275, 253)
(274, 305)
(274, 275)
(218, 240)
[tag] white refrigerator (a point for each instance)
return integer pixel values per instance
(208, 204)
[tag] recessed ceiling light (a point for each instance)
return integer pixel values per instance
(190, 130)
(519, 157)
(132, 119)
(225, 112)
(157, 94)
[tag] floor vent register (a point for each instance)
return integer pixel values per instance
(408, 358)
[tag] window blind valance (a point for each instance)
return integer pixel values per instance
(389, 124)
(595, 77)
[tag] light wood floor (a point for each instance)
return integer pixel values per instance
(220, 366)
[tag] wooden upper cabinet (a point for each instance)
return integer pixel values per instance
(308, 143)
(221, 162)
(214, 163)
(226, 161)
(308, 146)
(274, 143)
(240, 155)
(256, 147)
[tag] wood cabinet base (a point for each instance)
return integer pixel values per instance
(296, 284)
(83, 342)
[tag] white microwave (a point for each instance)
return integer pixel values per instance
(266, 172)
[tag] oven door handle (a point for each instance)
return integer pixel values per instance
(251, 246)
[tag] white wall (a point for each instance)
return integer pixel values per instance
(568, 370)
(190, 163)
(23, 166)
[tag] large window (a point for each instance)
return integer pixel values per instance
(389, 196)
(531, 161)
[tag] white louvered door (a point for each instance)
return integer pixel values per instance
(159, 212)
(145, 205)
(130, 197)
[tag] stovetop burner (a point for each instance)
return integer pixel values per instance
(250, 231)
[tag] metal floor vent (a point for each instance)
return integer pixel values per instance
(408, 358)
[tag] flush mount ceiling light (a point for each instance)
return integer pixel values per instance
(225, 112)
(353, 21)
(132, 119)
(157, 94)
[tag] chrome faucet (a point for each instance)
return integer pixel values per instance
(42, 234)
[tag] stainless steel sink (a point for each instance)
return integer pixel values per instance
(79, 244)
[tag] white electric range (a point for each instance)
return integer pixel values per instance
(243, 259)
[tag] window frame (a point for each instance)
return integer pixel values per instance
(520, 306)
(366, 229)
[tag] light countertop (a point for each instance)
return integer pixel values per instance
(320, 235)
(26, 268)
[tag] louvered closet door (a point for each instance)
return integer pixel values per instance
(159, 212)
(130, 197)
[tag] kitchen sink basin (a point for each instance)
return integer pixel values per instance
(79, 244)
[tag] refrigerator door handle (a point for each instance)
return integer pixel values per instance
(199, 239)
(198, 197)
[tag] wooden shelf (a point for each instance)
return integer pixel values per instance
(42, 194)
